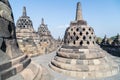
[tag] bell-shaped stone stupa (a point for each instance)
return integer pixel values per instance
(14, 65)
(47, 42)
(80, 56)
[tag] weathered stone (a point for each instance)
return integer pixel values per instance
(111, 46)
(12, 61)
(47, 42)
(26, 36)
(88, 60)
(5, 11)
(31, 42)
(4, 28)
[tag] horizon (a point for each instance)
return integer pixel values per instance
(58, 15)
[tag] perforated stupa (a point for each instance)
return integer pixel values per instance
(80, 56)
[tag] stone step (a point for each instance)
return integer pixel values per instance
(33, 70)
(86, 75)
(83, 68)
(82, 56)
(13, 70)
(101, 61)
(12, 62)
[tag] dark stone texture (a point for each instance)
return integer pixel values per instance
(8, 43)
(3, 46)
(112, 47)
(4, 32)
(5, 66)
(26, 62)
(8, 74)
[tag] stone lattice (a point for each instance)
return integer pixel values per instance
(24, 28)
(26, 36)
(80, 56)
(31, 42)
(47, 42)
(24, 21)
(14, 65)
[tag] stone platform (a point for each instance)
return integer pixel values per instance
(32, 72)
(85, 64)
(46, 59)
(80, 56)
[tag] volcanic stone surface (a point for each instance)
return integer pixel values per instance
(14, 65)
(47, 41)
(46, 59)
(80, 56)
(31, 42)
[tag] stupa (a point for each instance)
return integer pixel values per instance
(105, 41)
(116, 41)
(47, 42)
(26, 36)
(14, 65)
(24, 28)
(80, 56)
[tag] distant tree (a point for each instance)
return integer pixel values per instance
(113, 37)
(98, 40)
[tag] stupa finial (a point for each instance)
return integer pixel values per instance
(24, 11)
(78, 12)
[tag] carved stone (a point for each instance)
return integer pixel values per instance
(14, 65)
(80, 56)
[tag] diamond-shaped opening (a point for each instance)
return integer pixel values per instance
(81, 43)
(3, 47)
(89, 29)
(83, 29)
(84, 38)
(10, 28)
(74, 33)
(92, 33)
(74, 42)
(88, 42)
(77, 29)
(81, 33)
(77, 37)
(90, 37)
(87, 33)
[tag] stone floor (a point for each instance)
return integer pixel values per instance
(45, 60)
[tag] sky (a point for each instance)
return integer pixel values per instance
(102, 15)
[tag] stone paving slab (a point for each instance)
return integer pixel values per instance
(46, 59)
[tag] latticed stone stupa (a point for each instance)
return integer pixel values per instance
(116, 41)
(105, 41)
(47, 42)
(24, 28)
(111, 46)
(14, 65)
(26, 36)
(80, 56)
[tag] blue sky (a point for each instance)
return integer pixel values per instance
(102, 15)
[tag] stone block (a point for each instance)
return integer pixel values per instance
(96, 61)
(73, 61)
